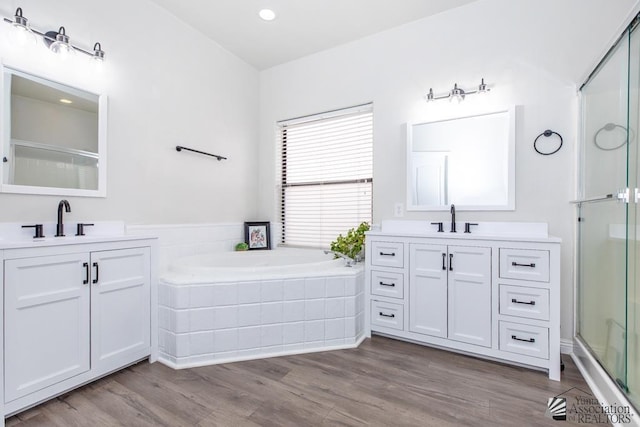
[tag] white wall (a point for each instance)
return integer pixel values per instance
(167, 85)
(533, 53)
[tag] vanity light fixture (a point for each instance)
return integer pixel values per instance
(66, 101)
(57, 41)
(457, 93)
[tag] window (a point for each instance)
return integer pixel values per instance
(326, 175)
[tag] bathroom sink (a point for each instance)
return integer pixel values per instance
(477, 229)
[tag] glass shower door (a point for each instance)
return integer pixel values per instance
(602, 280)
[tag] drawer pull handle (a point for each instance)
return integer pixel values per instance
(515, 301)
(386, 254)
(387, 315)
(95, 280)
(392, 285)
(532, 265)
(444, 261)
(513, 337)
(450, 262)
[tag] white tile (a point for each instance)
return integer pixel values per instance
(248, 292)
(225, 340)
(251, 353)
(360, 303)
(293, 333)
(182, 345)
(225, 317)
(359, 323)
(249, 338)
(201, 296)
(350, 306)
(271, 313)
(293, 289)
(293, 311)
(201, 342)
(164, 294)
(314, 309)
(274, 350)
(335, 287)
(179, 320)
(334, 329)
(271, 335)
(164, 318)
(249, 314)
(200, 319)
(225, 294)
(314, 288)
(272, 290)
(180, 297)
(359, 283)
(350, 286)
(350, 327)
(334, 307)
(314, 331)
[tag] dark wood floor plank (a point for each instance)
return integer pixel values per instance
(383, 382)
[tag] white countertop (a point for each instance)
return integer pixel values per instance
(504, 231)
(13, 236)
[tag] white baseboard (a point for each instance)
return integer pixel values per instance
(566, 346)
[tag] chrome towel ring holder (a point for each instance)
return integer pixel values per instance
(609, 127)
(547, 134)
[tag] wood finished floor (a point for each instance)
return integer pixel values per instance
(384, 382)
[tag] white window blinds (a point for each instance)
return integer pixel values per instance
(326, 175)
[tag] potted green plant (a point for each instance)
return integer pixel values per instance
(351, 245)
(242, 246)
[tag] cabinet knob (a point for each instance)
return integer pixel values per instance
(38, 230)
(80, 228)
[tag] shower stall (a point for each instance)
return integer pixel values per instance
(608, 276)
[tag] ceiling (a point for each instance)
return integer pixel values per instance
(301, 27)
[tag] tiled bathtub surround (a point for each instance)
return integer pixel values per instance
(206, 323)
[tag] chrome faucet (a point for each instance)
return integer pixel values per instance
(348, 261)
(60, 226)
(453, 218)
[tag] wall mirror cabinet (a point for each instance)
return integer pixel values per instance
(468, 161)
(53, 137)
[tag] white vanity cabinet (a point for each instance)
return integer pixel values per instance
(496, 297)
(450, 292)
(73, 313)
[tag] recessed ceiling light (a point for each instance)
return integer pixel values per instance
(267, 14)
(66, 101)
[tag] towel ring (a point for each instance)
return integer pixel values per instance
(547, 133)
(610, 127)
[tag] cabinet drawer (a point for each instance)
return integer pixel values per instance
(387, 254)
(387, 315)
(387, 284)
(524, 339)
(520, 301)
(524, 264)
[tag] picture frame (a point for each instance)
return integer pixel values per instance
(258, 235)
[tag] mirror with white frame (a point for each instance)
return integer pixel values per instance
(53, 137)
(467, 161)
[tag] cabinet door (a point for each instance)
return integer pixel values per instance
(470, 295)
(428, 289)
(46, 323)
(120, 308)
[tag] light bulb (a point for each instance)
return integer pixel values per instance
(22, 34)
(62, 46)
(267, 14)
